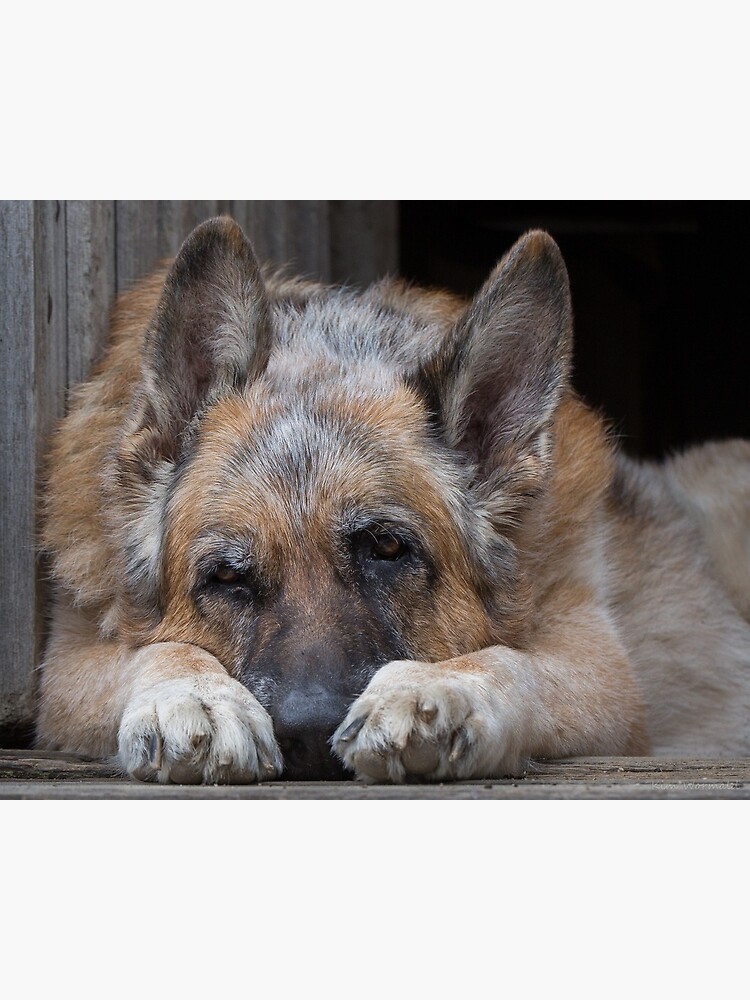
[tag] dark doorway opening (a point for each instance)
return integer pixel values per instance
(660, 297)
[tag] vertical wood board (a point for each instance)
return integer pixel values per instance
(363, 240)
(90, 255)
(33, 325)
(17, 456)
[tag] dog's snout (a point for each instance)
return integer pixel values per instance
(304, 722)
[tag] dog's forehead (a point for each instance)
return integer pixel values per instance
(347, 325)
(313, 447)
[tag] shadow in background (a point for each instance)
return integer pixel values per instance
(660, 294)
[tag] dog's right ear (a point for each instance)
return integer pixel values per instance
(211, 330)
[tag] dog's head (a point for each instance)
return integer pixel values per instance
(316, 481)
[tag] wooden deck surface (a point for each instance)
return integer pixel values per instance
(32, 774)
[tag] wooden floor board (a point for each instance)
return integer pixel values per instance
(32, 774)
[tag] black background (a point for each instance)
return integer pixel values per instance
(659, 296)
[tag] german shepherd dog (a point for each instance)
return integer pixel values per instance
(313, 532)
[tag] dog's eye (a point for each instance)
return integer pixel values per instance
(379, 544)
(226, 575)
(387, 547)
(224, 581)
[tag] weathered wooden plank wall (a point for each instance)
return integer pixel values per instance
(17, 427)
(61, 265)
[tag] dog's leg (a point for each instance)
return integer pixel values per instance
(486, 714)
(169, 711)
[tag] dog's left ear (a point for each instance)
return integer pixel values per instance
(495, 382)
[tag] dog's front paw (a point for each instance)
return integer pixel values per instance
(203, 728)
(431, 721)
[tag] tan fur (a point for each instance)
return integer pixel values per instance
(624, 627)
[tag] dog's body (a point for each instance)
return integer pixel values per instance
(280, 510)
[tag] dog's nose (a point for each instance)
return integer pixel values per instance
(304, 723)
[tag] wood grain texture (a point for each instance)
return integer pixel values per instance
(137, 245)
(308, 250)
(292, 233)
(33, 320)
(364, 240)
(50, 379)
(266, 225)
(17, 458)
(25, 765)
(90, 255)
(47, 775)
(376, 793)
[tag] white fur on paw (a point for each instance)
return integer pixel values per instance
(205, 728)
(429, 721)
